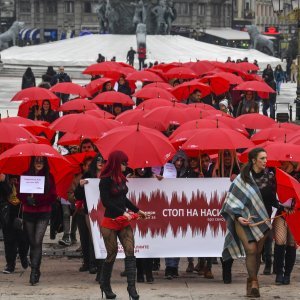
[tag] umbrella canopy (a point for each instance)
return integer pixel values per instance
(246, 67)
(144, 147)
(200, 67)
(70, 88)
(167, 67)
(74, 139)
(291, 126)
(83, 124)
(203, 106)
(78, 105)
(216, 139)
(195, 112)
(183, 90)
(255, 121)
(180, 73)
(97, 84)
(254, 86)
(155, 92)
(113, 97)
(104, 68)
(270, 134)
(218, 84)
(153, 103)
(17, 159)
(162, 85)
(168, 115)
(144, 76)
(34, 94)
(232, 78)
(99, 113)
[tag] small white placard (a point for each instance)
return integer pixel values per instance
(169, 171)
(32, 184)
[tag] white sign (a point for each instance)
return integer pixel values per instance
(32, 184)
(185, 217)
(169, 171)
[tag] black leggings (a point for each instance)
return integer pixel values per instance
(35, 231)
(126, 238)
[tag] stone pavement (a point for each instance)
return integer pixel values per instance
(61, 280)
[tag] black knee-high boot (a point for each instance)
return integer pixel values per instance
(290, 258)
(99, 263)
(279, 252)
(105, 280)
(226, 270)
(130, 268)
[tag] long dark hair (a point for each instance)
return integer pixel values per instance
(45, 172)
(112, 167)
(245, 173)
(93, 166)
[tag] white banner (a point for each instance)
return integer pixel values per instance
(185, 219)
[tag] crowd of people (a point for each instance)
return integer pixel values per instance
(256, 181)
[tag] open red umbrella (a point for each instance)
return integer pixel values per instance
(97, 84)
(78, 105)
(246, 67)
(34, 94)
(254, 86)
(168, 115)
(144, 147)
(99, 113)
(158, 102)
(17, 159)
(83, 124)
(70, 88)
(215, 139)
(200, 67)
(144, 76)
(286, 125)
(218, 84)
(255, 121)
(162, 85)
(74, 139)
(104, 68)
(232, 78)
(195, 112)
(155, 92)
(203, 106)
(180, 73)
(113, 97)
(270, 134)
(183, 90)
(167, 67)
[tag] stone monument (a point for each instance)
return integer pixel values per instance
(10, 35)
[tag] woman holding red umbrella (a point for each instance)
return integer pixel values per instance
(36, 213)
(113, 190)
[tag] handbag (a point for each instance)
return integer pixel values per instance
(18, 221)
(4, 214)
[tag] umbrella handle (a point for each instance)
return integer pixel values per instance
(266, 220)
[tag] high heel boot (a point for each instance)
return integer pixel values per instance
(105, 280)
(33, 276)
(130, 267)
(290, 258)
(279, 252)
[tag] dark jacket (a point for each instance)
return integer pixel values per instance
(28, 81)
(60, 77)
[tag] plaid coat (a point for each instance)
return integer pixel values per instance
(243, 199)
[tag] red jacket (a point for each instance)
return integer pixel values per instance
(142, 52)
(43, 201)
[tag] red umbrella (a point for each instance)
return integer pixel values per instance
(148, 93)
(203, 106)
(145, 147)
(99, 113)
(83, 124)
(158, 72)
(136, 116)
(162, 85)
(156, 102)
(254, 86)
(218, 85)
(291, 126)
(180, 73)
(144, 76)
(200, 67)
(216, 139)
(232, 78)
(246, 67)
(167, 67)
(70, 88)
(34, 94)
(270, 134)
(168, 115)
(195, 112)
(97, 84)
(78, 105)
(255, 121)
(183, 91)
(74, 139)
(17, 159)
(113, 97)
(25, 106)
(104, 68)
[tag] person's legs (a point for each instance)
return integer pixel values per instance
(92, 259)
(23, 247)
(111, 244)
(290, 257)
(73, 229)
(147, 266)
(10, 249)
(84, 240)
(266, 105)
(66, 240)
(268, 253)
(190, 267)
(207, 270)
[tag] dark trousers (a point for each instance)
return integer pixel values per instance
(141, 63)
(270, 103)
(15, 241)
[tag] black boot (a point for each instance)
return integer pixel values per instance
(268, 266)
(226, 270)
(130, 268)
(105, 280)
(34, 277)
(140, 270)
(147, 265)
(290, 258)
(279, 262)
(99, 263)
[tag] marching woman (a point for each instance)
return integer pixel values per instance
(113, 190)
(251, 196)
(36, 213)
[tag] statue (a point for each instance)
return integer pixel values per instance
(170, 15)
(10, 35)
(259, 42)
(160, 11)
(112, 17)
(102, 16)
(140, 13)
